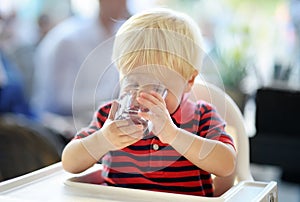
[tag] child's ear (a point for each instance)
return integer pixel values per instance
(191, 81)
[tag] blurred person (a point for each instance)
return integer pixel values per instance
(58, 61)
(25, 27)
(12, 96)
(24, 53)
(7, 32)
(44, 24)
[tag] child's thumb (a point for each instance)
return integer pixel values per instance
(113, 110)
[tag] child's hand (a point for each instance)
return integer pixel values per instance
(163, 126)
(120, 133)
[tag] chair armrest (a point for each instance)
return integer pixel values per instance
(252, 191)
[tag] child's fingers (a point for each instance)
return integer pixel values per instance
(149, 101)
(154, 98)
(122, 123)
(157, 96)
(145, 115)
(145, 102)
(113, 110)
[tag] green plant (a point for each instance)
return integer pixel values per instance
(234, 57)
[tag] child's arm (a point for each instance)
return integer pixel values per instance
(81, 154)
(210, 155)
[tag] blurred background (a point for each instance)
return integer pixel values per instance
(252, 52)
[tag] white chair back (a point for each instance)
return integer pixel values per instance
(230, 112)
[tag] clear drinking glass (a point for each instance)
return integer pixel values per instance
(131, 86)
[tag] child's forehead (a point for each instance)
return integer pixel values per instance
(154, 74)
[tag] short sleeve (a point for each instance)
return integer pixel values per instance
(211, 124)
(99, 118)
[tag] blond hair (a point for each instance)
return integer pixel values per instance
(159, 37)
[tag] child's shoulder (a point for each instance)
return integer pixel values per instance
(204, 104)
(105, 107)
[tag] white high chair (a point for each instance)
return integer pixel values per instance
(230, 112)
(240, 186)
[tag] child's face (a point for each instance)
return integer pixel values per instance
(174, 83)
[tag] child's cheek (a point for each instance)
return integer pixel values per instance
(172, 103)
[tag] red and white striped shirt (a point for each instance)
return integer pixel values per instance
(152, 165)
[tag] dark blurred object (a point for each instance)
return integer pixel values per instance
(282, 72)
(277, 140)
(26, 146)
